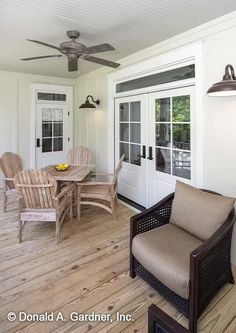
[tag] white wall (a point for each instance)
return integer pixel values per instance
(90, 125)
(219, 124)
(15, 110)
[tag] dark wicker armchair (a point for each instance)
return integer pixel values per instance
(210, 265)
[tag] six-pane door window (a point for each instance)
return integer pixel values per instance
(173, 132)
(52, 130)
(130, 132)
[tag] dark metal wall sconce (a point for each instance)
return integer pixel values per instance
(88, 105)
(226, 87)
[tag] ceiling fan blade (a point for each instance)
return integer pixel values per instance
(72, 64)
(45, 44)
(100, 48)
(42, 57)
(100, 61)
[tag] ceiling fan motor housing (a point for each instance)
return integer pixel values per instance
(73, 34)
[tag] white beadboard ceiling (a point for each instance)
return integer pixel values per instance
(129, 25)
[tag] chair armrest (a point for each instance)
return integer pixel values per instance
(151, 218)
(8, 179)
(66, 191)
(5, 180)
(210, 265)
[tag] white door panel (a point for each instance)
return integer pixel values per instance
(52, 134)
(130, 139)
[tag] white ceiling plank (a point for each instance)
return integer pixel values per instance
(128, 25)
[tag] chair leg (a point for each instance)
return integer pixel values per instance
(116, 200)
(4, 201)
(57, 231)
(132, 273)
(113, 208)
(78, 208)
(20, 231)
(231, 278)
(71, 207)
(192, 316)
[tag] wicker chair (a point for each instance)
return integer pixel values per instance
(209, 263)
(10, 164)
(39, 200)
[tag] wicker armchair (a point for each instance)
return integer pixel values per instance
(209, 263)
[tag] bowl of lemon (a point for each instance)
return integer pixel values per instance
(62, 167)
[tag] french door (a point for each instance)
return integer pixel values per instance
(52, 138)
(156, 133)
(131, 140)
(171, 139)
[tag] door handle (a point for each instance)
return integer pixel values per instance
(144, 152)
(38, 143)
(150, 153)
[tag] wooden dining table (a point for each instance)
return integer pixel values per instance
(75, 173)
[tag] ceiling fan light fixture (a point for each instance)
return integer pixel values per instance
(75, 50)
(88, 105)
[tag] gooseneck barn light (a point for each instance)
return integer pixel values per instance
(226, 87)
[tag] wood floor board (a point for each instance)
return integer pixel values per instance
(88, 271)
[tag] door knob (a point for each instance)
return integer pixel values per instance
(38, 143)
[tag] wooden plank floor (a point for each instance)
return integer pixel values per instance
(87, 272)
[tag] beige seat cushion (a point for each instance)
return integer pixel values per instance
(165, 252)
(199, 212)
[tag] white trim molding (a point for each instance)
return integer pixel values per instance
(191, 53)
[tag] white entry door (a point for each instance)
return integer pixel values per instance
(171, 141)
(52, 134)
(130, 139)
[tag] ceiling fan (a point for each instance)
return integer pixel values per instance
(74, 50)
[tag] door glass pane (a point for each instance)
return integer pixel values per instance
(162, 108)
(163, 160)
(181, 136)
(181, 164)
(46, 114)
(124, 111)
(46, 145)
(135, 154)
(124, 149)
(46, 130)
(135, 111)
(135, 133)
(163, 137)
(124, 132)
(181, 108)
(58, 129)
(57, 144)
(58, 115)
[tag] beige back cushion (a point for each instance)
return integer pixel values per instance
(199, 212)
